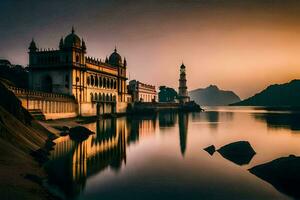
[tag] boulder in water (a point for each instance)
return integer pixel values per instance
(79, 133)
(65, 131)
(283, 173)
(210, 149)
(240, 152)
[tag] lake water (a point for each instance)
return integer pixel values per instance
(162, 157)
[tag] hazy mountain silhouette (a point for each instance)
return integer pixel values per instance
(213, 96)
(286, 94)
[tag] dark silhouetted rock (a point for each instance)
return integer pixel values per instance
(240, 152)
(79, 133)
(34, 178)
(65, 131)
(213, 96)
(275, 95)
(13, 105)
(40, 155)
(283, 173)
(49, 145)
(211, 149)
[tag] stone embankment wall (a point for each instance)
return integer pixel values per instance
(51, 105)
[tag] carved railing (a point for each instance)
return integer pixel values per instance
(22, 92)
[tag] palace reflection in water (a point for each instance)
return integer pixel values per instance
(71, 162)
(161, 156)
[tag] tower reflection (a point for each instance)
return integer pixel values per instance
(183, 121)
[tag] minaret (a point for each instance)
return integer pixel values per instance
(182, 90)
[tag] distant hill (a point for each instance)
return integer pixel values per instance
(287, 94)
(213, 96)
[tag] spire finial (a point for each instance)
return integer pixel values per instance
(115, 49)
(73, 31)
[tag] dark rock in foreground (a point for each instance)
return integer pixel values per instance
(211, 149)
(65, 131)
(80, 133)
(283, 173)
(240, 152)
(40, 155)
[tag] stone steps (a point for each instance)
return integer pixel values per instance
(37, 114)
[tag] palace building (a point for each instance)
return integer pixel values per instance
(142, 92)
(68, 70)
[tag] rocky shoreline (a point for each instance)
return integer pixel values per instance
(21, 137)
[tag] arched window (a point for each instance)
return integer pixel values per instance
(92, 98)
(88, 80)
(104, 82)
(114, 98)
(96, 81)
(77, 58)
(110, 98)
(92, 80)
(96, 97)
(115, 84)
(107, 83)
(100, 97)
(100, 81)
(107, 97)
(111, 83)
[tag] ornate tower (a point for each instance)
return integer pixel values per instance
(32, 51)
(116, 60)
(182, 89)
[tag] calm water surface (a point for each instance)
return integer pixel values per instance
(162, 157)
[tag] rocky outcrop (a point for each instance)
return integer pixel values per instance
(275, 95)
(210, 149)
(283, 173)
(79, 133)
(213, 96)
(23, 141)
(240, 152)
(13, 105)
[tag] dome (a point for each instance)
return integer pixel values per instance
(115, 59)
(72, 40)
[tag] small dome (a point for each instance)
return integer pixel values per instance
(72, 40)
(115, 59)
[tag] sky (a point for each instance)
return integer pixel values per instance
(238, 45)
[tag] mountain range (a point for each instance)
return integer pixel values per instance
(213, 96)
(287, 94)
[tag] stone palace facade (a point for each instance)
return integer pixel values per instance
(68, 70)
